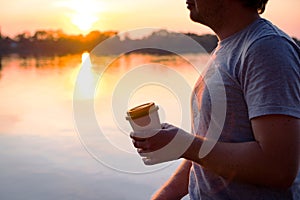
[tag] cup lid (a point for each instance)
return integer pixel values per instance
(141, 110)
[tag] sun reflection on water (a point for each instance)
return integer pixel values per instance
(86, 79)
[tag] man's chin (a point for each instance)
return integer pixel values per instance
(193, 18)
(196, 18)
(193, 15)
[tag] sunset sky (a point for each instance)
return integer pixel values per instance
(75, 16)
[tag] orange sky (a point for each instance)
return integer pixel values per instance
(75, 16)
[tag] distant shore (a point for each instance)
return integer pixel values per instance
(51, 43)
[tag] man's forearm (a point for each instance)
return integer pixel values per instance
(272, 160)
(177, 186)
(231, 160)
(244, 162)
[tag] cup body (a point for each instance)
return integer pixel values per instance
(144, 117)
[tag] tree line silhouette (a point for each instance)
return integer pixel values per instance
(50, 42)
(56, 42)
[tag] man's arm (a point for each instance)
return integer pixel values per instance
(177, 186)
(272, 160)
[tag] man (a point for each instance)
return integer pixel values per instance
(255, 74)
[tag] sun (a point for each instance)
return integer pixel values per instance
(83, 14)
(84, 21)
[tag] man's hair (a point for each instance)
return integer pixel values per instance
(259, 5)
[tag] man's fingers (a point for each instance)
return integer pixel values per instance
(140, 144)
(138, 139)
(150, 161)
(166, 126)
(138, 135)
(145, 154)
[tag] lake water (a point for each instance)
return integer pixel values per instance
(51, 147)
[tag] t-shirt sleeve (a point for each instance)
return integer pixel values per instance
(270, 77)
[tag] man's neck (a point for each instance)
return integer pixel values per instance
(235, 21)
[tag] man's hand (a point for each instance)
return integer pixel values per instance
(161, 145)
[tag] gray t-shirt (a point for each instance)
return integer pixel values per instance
(252, 73)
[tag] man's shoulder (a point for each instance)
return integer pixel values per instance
(256, 33)
(262, 32)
